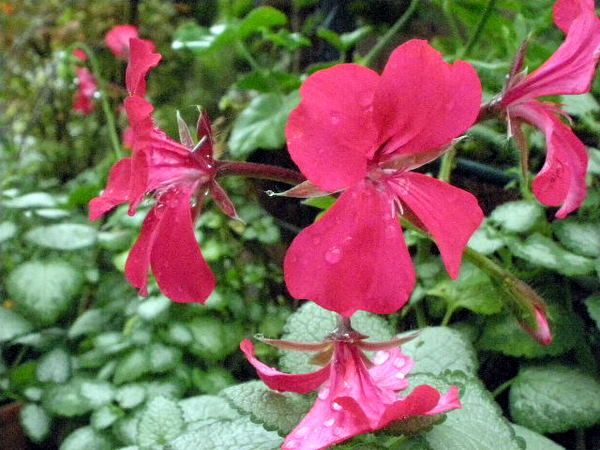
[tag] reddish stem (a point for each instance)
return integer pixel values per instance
(261, 171)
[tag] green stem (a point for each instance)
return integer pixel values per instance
(108, 113)
(248, 57)
(420, 315)
(504, 386)
(447, 316)
(374, 53)
(480, 26)
(452, 23)
(447, 165)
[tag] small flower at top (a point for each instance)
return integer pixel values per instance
(361, 133)
(117, 39)
(179, 176)
(87, 87)
(570, 70)
(356, 395)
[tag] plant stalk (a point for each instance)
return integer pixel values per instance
(260, 171)
(478, 30)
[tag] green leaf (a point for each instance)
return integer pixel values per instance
(153, 307)
(214, 340)
(262, 123)
(593, 307)
(12, 325)
(31, 201)
(52, 213)
(437, 349)
(163, 358)
(161, 421)
(63, 236)
(554, 399)
(44, 291)
(105, 416)
(584, 105)
(200, 40)
(206, 407)
(350, 39)
(86, 438)
(213, 380)
(238, 434)
(274, 410)
(517, 217)
(36, 422)
(96, 393)
(130, 395)
(261, 18)
(579, 237)
(132, 366)
(486, 240)
(311, 323)
(54, 366)
(266, 81)
(544, 252)
(534, 440)
(473, 290)
(91, 321)
(7, 231)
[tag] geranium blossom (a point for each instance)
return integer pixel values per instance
(570, 70)
(83, 100)
(361, 133)
(117, 39)
(355, 395)
(178, 175)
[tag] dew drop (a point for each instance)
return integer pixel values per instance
(290, 444)
(398, 363)
(380, 358)
(270, 193)
(329, 423)
(302, 431)
(365, 100)
(333, 255)
(323, 393)
(400, 376)
(336, 406)
(335, 118)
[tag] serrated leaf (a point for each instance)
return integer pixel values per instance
(311, 323)
(517, 217)
(86, 438)
(130, 395)
(90, 322)
(579, 237)
(437, 349)
(31, 201)
(63, 236)
(161, 422)
(44, 291)
(593, 307)
(36, 422)
(554, 398)
(7, 231)
(262, 123)
(261, 18)
(534, 440)
(54, 367)
(206, 407)
(12, 325)
(238, 434)
(274, 410)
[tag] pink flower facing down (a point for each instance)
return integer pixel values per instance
(178, 175)
(356, 395)
(83, 100)
(570, 70)
(117, 39)
(361, 133)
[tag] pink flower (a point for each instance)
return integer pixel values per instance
(117, 39)
(178, 175)
(541, 332)
(570, 70)
(356, 395)
(86, 89)
(363, 134)
(80, 55)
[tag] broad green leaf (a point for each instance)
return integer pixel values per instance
(130, 395)
(171, 387)
(54, 366)
(276, 411)
(86, 438)
(31, 201)
(579, 237)
(517, 217)
(161, 421)
(593, 307)
(63, 236)
(90, 322)
(65, 400)
(52, 213)
(97, 393)
(213, 339)
(237, 434)
(473, 290)
(7, 231)
(36, 422)
(44, 290)
(153, 307)
(213, 380)
(42, 340)
(261, 18)
(266, 81)
(486, 240)
(12, 325)
(262, 124)
(350, 39)
(534, 440)
(437, 349)
(200, 40)
(163, 358)
(206, 407)
(554, 399)
(105, 416)
(584, 105)
(594, 166)
(132, 366)
(544, 252)
(311, 323)
(287, 40)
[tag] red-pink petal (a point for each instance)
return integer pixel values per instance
(449, 214)
(422, 103)
(285, 382)
(390, 369)
(330, 133)
(420, 401)
(87, 87)
(561, 182)
(117, 39)
(80, 54)
(354, 257)
(448, 401)
(180, 270)
(566, 11)
(116, 192)
(141, 60)
(138, 261)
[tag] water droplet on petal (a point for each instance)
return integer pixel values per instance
(336, 406)
(323, 393)
(333, 255)
(400, 376)
(302, 431)
(329, 423)
(270, 193)
(290, 444)
(380, 358)
(398, 363)
(335, 118)
(365, 100)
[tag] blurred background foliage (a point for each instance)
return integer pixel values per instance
(94, 366)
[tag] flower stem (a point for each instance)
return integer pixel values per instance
(108, 114)
(504, 386)
(480, 26)
(447, 165)
(260, 171)
(447, 316)
(374, 53)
